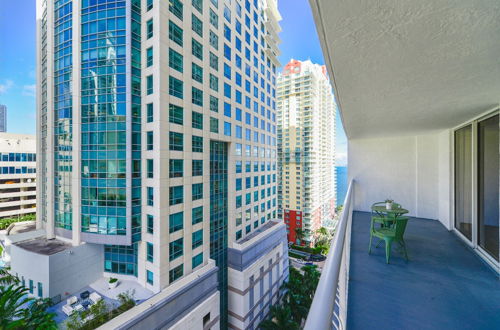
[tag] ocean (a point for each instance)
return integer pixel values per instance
(341, 174)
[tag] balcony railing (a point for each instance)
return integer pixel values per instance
(329, 306)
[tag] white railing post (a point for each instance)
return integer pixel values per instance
(334, 277)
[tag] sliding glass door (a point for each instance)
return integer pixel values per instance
(463, 181)
(488, 183)
(477, 182)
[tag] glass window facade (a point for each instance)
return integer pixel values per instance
(176, 222)
(175, 273)
(176, 249)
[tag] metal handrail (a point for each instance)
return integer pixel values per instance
(323, 311)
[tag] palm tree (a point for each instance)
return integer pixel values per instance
(281, 319)
(18, 311)
(7, 278)
(299, 234)
(12, 299)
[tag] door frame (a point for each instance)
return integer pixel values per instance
(473, 243)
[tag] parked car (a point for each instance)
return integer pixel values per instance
(317, 257)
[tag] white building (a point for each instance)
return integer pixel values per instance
(417, 84)
(17, 175)
(157, 143)
(306, 148)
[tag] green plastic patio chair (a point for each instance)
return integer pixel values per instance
(389, 235)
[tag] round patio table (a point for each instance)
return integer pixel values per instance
(393, 213)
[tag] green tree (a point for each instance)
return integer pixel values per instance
(18, 311)
(299, 234)
(280, 319)
(7, 278)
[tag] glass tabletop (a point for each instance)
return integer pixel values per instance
(394, 211)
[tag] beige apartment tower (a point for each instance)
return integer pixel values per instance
(306, 149)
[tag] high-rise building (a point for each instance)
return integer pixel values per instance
(3, 118)
(306, 148)
(158, 150)
(17, 175)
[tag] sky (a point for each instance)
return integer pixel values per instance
(18, 59)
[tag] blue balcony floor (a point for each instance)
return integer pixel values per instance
(443, 286)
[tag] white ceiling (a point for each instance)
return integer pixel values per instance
(410, 66)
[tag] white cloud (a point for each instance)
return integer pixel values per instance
(341, 159)
(4, 87)
(29, 90)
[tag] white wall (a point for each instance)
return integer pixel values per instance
(412, 170)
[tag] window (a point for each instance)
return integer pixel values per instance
(197, 191)
(149, 111)
(175, 87)
(227, 52)
(197, 96)
(214, 61)
(214, 82)
(197, 260)
(175, 33)
(238, 149)
(150, 224)
(227, 13)
(197, 49)
(214, 40)
(176, 168)
(238, 184)
(149, 140)
(175, 60)
(197, 215)
(227, 33)
(197, 73)
(176, 141)
(149, 83)
(176, 195)
(149, 277)
(150, 196)
(175, 114)
(149, 166)
(176, 273)
(197, 120)
(149, 56)
(214, 19)
(175, 7)
(197, 239)
(227, 128)
(149, 5)
(176, 249)
(149, 29)
(149, 252)
(238, 234)
(214, 103)
(227, 109)
(40, 290)
(197, 143)
(197, 25)
(238, 201)
(227, 90)
(227, 71)
(176, 222)
(214, 125)
(198, 4)
(197, 167)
